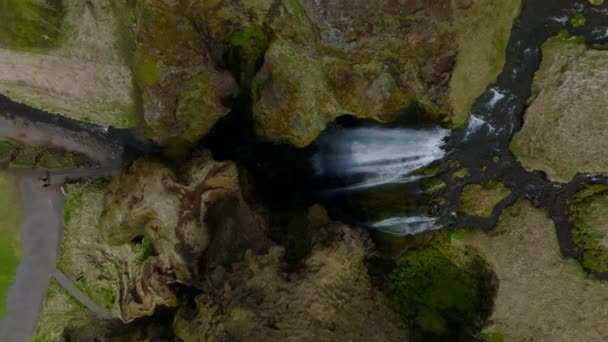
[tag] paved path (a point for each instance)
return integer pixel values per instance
(67, 284)
(40, 237)
(42, 231)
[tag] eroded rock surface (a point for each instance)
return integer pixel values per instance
(565, 125)
(183, 90)
(330, 299)
(126, 241)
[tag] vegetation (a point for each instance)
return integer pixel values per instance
(59, 310)
(443, 289)
(480, 199)
(577, 20)
(11, 215)
(588, 211)
(484, 31)
(31, 24)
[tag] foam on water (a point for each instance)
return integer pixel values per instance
(377, 156)
(408, 225)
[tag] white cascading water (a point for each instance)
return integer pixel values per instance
(371, 157)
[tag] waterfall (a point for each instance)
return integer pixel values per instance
(365, 158)
(369, 157)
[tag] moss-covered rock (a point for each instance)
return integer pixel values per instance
(480, 199)
(565, 126)
(84, 76)
(540, 291)
(376, 60)
(183, 91)
(443, 289)
(329, 299)
(115, 277)
(16, 155)
(588, 211)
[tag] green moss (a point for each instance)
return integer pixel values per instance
(11, 216)
(7, 150)
(54, 159)
(26, 156)
(442, 289)
(433, 185)
(462, 173)
(588, 212)
(596, 260)
(596, 2)
(31, 24)
(577, 20)
(99, 294)
(491, 337)
(145, 249)
(247, 46)
(480, 199)
(148, 72)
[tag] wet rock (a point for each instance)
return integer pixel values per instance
(565, 126)
(540, 291)
(329, 299)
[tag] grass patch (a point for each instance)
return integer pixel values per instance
(483, 34)
(31, 24)
(11, 216)
(59, 310)
(480, 199)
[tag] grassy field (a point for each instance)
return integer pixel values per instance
(11, 215)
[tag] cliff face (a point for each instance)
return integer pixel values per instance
(330, 299)
(303, 63)
(128, 242)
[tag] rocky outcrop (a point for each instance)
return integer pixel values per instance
(183, 91)
(151, 201)
(330, 299)
(368, 60)
(376, 60)
(127, 241)
(565, 124)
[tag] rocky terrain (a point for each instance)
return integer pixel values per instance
(207, 221)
